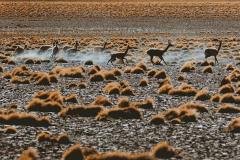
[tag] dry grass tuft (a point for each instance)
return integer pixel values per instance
(29, 154)
(25, 119)
(160, 74)
(165, 89)
(81, 111)
(1, 69)
(10, 130)
(120, 113)
(145, 104)
(230, 98)
(73, 153)
(227, 108)
(225, 80)
(163, 151)
(142, 66)
(123, 102)
(234, 126)
(18, 80)
(97, 78)
(128, 91)
(143, 82)
(227, 88)
(187, 67)
(72, 98)
(207, 69)
(202, 95)
(72, 72)
(151, 73)
(215, 98)
(206, 63)
(112, 88)
(116, 72)
(137, 70)
(101, 101)
(48, 137)
(230, 67)
(183, 90)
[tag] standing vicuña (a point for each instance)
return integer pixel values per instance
(120, 56)
(213, 52)
(158, 53)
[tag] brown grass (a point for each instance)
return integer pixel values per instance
(29, 154)
(165, 89)
(72, 98)
(187, 67)
(202, 95)
(48, 137)
(145, 104)
(123, 102)
(120, 113)
(230, 98)
(137, 70)
(18, 80)
(225, 80)
(215, 98)
(206, 63)
(10, 130)
(102, 101)
(207, 69)
(234, 126)
(143, 82)
(229, 67)
(81, 111)
(163, 151)
(160, 74)
(151, 73)
(227, 88)
(128, 91)
(25, 119)
(181, 78)
(73, 152)
(73, 72)
(97, 77)
(1, 69)
(183, 90)
(112, 88)
(142, 66)
(227, 108)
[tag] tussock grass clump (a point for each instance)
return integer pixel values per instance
(143, 82)
(18, 80)
(97, 77)
(127, 70)
(215, 98)
(225, 80)
(234, 126)
(227, 108)
(7, 75)
(11, 62)
(61, 60)
(137, 70)
(120, 113)
(102, 101)
(46, 102)
(81, 111)
(164, 151)
(121, 156)
(20, 71)
(145, 104)
(229, 67)
(230, 98)
(187, 67)
(73, 152)
(164, 82)
(206, 63)
(112, 88)
(72, 98)
(165, 89)
(181, 78)
(152, 72)
(142, 66)
(24, 119)
(207, 69)
(42, 78)
(157, 120)
(48, 137)
(116, 72)
(128, 91)
(29, 154)
(10, 130)
(202, 95)
(123, 102)
(72, 72)
(183, 90)
(160, 74)
(227, 88)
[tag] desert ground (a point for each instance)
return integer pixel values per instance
(76, 105)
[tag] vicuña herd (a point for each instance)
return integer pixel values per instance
(55, 49)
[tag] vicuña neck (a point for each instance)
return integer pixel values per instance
(126, 51)
(219, 47)
(167, 47)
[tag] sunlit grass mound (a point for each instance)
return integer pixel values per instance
(234, 126)
(120, 113)
(183, 90)
(49, 137)
(202, 95)
(81, 111)
(24, 119)
(102, 101)
(29, 154)
(73, 153)
(72, 72)
(188, 67)
(51, 101)
(228, 108)
(164, 151)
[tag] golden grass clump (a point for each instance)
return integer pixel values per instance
(145, 104)
(10, 130)
(25, 119)
(21, 71)
(123, 102)
(227, 108)
(164, 151)
(143, 82)
(127, 70)
(112, 88)
(116, 72)
(102, 101)
(152, 72)
(229, 67)
(29, 154)
(42, 78)
(120, 113)
(230, 98)
(72, 72)
(183, 90)
(142, 66)
(160, 74)
(187, 67)
(128, 91)
(165, 89)
(234, 126)
(18, 80)
(207, 69)
(215, 98)
(206, 63)
(72, 98)
(225, 80)
(202, 95)
(227, 88)
(73, 152)
(46, 102)
(164, 82)
(121, 156)
(47, 136)
(61, 60)
(137, 70)
(81, 111)
(97, 77)
(7, 75)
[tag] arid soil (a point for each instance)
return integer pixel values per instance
(192, 27)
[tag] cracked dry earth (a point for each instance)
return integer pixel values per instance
(204, 139)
